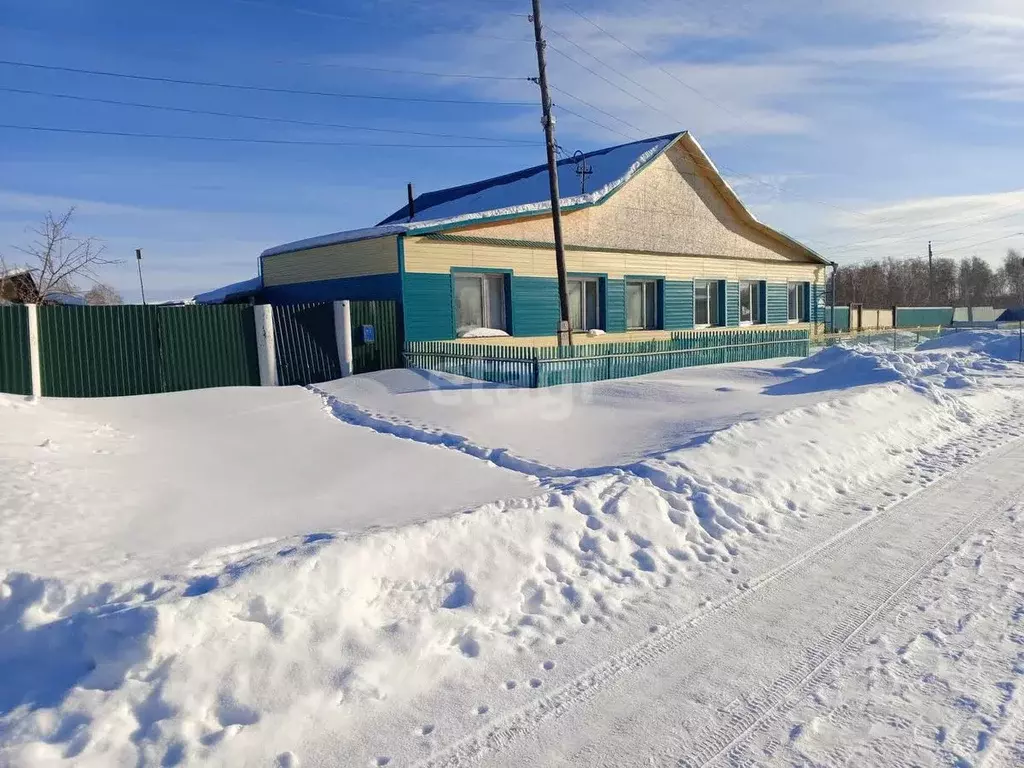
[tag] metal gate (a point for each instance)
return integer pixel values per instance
(15, 374)
(305, 343)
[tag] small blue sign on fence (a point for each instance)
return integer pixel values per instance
(369, 334)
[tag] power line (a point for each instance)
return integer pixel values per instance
(633, 50)
(905, 234)
(595, 108)
(568, 111)
(615, 85)
(262, 118)
(374, 22)
(242, 140)
(261, 88)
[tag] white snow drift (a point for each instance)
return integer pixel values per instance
(366, 648)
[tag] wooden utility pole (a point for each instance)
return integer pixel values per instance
(564, 326)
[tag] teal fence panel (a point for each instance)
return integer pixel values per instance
(305, 344)
(381, 347)
(921, 317)
(15, 366)
(207, 346)
(549, 366)
(842, 321)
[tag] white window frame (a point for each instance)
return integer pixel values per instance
(710, 283)
(755, 302)
(596, 282)
(485, 298)
(650, 324)
(801, 302)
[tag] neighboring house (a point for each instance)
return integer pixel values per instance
(18, 287)
(242, 292)
(661, 243)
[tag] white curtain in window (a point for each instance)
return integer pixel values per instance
(469, 303)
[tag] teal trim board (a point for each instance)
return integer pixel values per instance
(535, 309)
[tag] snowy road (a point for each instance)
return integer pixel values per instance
(781, 673)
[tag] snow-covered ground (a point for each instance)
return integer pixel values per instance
(811, 562)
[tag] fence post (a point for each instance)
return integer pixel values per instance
(33, 350)
(265, 349)
(343, 335)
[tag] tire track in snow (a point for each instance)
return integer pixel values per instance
(587, 686)
(773, 703)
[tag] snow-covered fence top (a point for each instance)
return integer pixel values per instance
(546, 366)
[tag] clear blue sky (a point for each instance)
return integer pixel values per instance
(839, 121)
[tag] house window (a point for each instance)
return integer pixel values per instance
(705, 303)
(797, 302)
(750, 302)
(584, 304)
(479, 302)
(642, 304)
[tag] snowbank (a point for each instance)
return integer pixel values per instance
(482, 333)
(1002, 345)
(339, 649)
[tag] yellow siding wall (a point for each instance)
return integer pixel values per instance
(425, 255)
(670, 206)
(378, 256)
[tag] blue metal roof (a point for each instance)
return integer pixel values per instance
(528, 188)
(1012, 315)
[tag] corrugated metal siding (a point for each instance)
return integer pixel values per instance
(776, 303)
(732, 303)
(99, 351)
(207, 346)
(15, 366)
(378, 256)
(615, 305)
(305, 343)
(535, 309)
(427, 306)
(386, 351)
(370, 288)
(918, 317)
(677, 309)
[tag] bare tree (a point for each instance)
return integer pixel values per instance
(102, 294)
(56, 258)
(1013, 269)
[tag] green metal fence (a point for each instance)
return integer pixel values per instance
(98, 351)
(548, 366)
(207, 346)
(15, 372)
(385, 350)
(138, 350)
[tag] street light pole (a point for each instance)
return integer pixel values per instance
(142, 287)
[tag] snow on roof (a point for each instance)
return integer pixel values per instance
(220, 295)
(527, 190)
(522, 192)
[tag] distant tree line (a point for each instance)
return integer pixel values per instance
(904, 282)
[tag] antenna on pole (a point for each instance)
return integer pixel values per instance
(582, 169)
(564, 326)
(142, 286)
